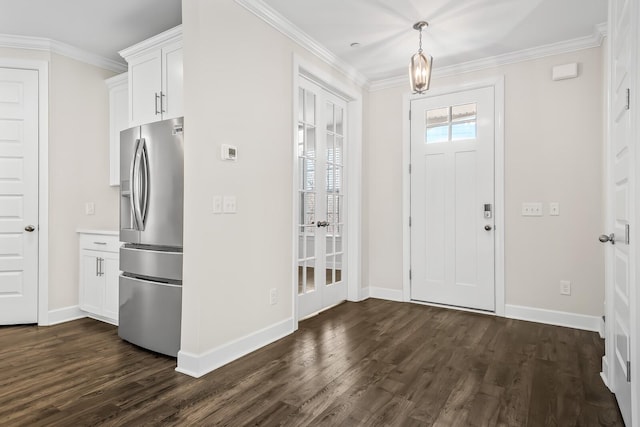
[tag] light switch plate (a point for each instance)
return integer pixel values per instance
(565, 287)
(90, 208)
(217, 204)
(229, 204)
(554, 208)
(532, 209)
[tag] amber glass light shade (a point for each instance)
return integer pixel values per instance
(420, 72)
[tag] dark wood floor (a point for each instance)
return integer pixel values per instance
(371, 363)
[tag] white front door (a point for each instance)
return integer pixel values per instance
(18, 196)
(320, 222)
(452, 199)
(619, 259)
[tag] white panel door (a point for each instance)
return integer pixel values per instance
(620, 189)
(452, 199)
(18, 196)
(321, 199)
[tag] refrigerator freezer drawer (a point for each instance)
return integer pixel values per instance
(150, 314)
(151, 263)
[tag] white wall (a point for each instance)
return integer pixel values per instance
(78, 168)
(553, 152)
(238, 78)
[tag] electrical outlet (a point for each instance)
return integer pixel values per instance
(273, 296)
(565, 287)
(90, 208)
(532, 209)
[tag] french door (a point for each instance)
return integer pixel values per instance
(321, 245)
(452, 199)
(18, 196)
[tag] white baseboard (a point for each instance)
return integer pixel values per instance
(65, 314)
(197, 365)
(552, 317)
(363, 294)
(387, 294)
(601, 330)
(603, 373)
(103, 319)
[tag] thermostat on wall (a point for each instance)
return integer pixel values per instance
(229, 152)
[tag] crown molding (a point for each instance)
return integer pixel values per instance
(587, 42)
(54, 46)
(286, 27)
(172, 35)
(117, 80)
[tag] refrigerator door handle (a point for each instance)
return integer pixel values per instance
(144, 176)
(135, 184)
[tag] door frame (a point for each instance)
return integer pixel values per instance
(497, 83)
(42, 67)
(353, 178)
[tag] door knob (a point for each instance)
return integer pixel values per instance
(610, 238)
(29, 228)
(323, 223)
(487, 227)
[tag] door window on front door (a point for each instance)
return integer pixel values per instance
(320, 147)
(452, 199)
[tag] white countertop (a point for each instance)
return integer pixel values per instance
(101, 232)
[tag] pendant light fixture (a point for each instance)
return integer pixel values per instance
(420, 65)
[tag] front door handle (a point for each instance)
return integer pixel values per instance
(323, 223)
(487, 227)
(611, 238)
(29, 228)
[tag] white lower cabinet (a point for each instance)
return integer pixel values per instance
(99, 270)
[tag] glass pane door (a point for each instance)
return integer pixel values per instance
(320, 203)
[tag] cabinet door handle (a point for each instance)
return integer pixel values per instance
(157, 97)
(101, 266)
(97, 266)
(162, 102)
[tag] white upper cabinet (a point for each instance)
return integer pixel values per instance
(118, 121)
(155, 78)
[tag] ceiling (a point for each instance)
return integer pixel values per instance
(459, 30)
(102, 27)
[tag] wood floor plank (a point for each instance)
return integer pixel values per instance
(374, 363)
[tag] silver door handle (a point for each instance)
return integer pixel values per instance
(611, 238)
(97, 266)
(145, 183)
(162, 102)
(487, 227)
(101, 266)
(29, 228)
(157, 97)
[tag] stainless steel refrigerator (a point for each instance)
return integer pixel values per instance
(151, 203)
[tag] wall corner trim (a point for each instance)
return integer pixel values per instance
(553, 317)
(197, 365)
(65, 314)
(54, 46)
